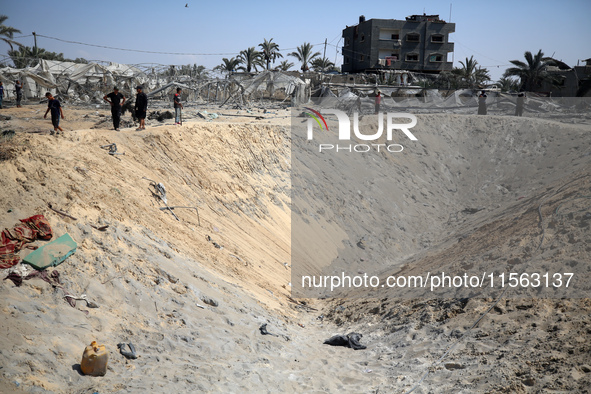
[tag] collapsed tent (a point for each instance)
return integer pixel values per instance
(273, 81)
(71, 80)
(89, 82)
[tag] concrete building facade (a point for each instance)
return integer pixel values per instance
(420, 43)
(570, 80)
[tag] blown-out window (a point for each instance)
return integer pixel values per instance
(435, 57)
(412, 57)
(413, 37)
(438, 38)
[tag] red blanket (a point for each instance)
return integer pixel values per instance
(12, 240)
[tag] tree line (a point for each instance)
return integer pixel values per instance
(523, 76)
(251, 59)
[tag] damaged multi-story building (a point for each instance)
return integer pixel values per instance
(420, 44)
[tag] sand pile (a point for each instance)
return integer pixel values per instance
(191, 294)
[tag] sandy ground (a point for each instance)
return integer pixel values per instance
(193, 310)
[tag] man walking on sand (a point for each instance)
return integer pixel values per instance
(178, 106)
(141, 107)
(55, 107)
(18, 88)
(116, 100)
(1, 93)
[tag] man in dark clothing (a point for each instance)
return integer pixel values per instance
(116, 101)
(141, 107)
(55, 107)
(519, 104)
(18, 88)
(1, 93)
(482, 103)
(177, 106)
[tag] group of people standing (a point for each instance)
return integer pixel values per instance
(519, 103)
(117, 99)
(18, 88)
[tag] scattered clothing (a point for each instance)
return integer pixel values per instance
(52, 278)
(218, 246)
(21, 269)
(130, 355)
(17, 279)
(263, 330)
(89, 304)
(350, 340)
(13, 240)
(18, 275)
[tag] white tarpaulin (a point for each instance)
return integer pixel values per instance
(273, 80)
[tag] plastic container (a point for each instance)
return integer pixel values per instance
(94, 360)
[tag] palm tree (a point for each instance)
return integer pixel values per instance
(21, 57)
(270, 51)
(7, 32)
(284, 65)
(321, 64)
(27, 57)
(304, 55)
(251, 58)
(171, 72)
(471, 74)
(532, 73)
(507, 84)
(228, 65)
(199, 72)
(447, 80)
(481, 75)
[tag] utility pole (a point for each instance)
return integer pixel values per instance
(324, 56)
(36, 51)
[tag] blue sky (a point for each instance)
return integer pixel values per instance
(493, 31)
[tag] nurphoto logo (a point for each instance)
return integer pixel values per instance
(315, 117)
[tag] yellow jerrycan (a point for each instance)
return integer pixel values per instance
(94, 360)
